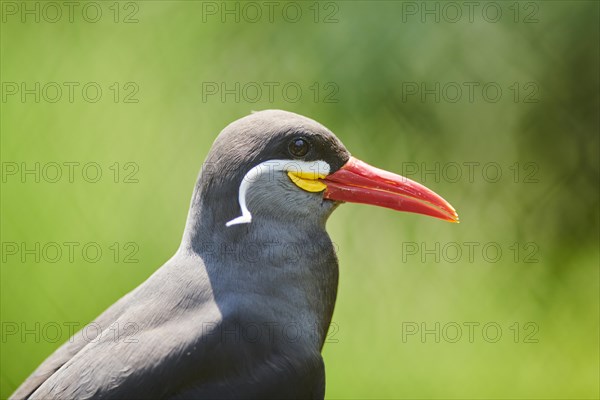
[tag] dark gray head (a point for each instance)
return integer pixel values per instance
(254, 157)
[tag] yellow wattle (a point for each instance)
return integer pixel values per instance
(308, 181)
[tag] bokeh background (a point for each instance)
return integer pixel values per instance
(357, 65)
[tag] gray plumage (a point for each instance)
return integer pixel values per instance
(238, 311)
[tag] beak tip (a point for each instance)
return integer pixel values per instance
(453, 217)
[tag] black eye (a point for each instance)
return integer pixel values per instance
(298, 147)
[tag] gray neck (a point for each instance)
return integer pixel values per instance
(275, 270)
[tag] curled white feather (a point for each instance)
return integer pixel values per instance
(317, 167)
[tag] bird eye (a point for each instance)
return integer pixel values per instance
(298, 147)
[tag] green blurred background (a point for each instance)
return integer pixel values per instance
(366, 59)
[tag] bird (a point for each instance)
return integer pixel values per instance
(243, 307)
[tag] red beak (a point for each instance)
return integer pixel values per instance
(359, 182)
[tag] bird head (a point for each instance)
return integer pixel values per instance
(278, 165)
